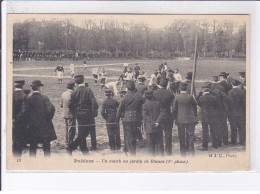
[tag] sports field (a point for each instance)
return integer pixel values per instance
(44, 70)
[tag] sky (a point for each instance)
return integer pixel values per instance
(154, 21)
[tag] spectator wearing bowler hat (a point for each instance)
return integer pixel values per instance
(152, 122)
(39, 111)
(166, 98)
(188, 82)
(108, 112)
(130, 110)
(19, 124)
(237, 113)
(68, 115)
(209, 117)
(185, 113)
(223, 82)
(84, 104)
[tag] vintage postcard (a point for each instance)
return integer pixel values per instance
(128, 92)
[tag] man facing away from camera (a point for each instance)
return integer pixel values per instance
(84, 103)
(19, 125)
(166, 98)
(237, 113)
(108, 112)
(39, 110)
(152, 122)
(130, 110)
(185, 113)
(68, 115)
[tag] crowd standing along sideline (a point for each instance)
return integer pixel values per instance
(150, 109)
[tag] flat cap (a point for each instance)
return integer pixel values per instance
(70, 83)
(108, 91)
(148, 92)
(215, 78)
(19, 82)
(206, 85)
(79, 79)
(224, 74)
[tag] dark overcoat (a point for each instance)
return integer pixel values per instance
(209, 108)
(130, 107)
(109, 110)
(166, 98)
(238, 102)
(185, 108)
(151, 115)
(39, 111)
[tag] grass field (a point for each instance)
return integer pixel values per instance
(30, 70)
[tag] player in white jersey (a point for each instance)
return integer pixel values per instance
(95, 73)
(103, 78)
(72, 70)
(113, 86)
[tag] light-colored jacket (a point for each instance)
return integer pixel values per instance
(64, 103)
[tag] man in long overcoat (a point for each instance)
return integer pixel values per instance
(18, 131)
(166, 98)
(84, 103)
(39, 111)
(185, 113)
(130, 110)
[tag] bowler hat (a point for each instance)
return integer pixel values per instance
(206, 85)
(70, 83)
(189, 75)
(242, 74)
(236, 82)
(19, 82)
(36, 83)
(183, 86)
(224, 74)
(164, 82)
(130, 84)
(79, 79)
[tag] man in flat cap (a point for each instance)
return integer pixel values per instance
(237, 113)
(39, 110)
(18, 130)
(130, 110)
(223, 82)
(108, 112)
(152, 122)
(185, 113)
(188, 82)
(68, 115)
(209, 117)
(141, 87)
(166, 98)
(84, 103)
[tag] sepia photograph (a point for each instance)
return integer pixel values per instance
(128, 92)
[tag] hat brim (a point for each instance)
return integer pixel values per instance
(36, 85)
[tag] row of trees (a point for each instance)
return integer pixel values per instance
(216, 39)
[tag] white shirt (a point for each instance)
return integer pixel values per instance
(95, 71)
(113, 86)
(177, 76)
(72, 67)
(129, 76)
(153, 79)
